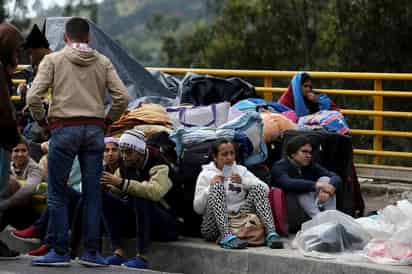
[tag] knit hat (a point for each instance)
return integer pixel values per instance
(133, 139)
(113, 140)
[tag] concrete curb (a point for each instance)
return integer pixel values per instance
(197, 256)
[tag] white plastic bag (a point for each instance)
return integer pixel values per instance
(376, 227)
(396, 248)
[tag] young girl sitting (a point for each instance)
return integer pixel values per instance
(225, 188)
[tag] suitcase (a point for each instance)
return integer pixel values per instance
(191, 161)
(278, 205)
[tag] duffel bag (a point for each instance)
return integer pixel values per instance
(213, 115)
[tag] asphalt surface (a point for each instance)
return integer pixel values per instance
(22, 266)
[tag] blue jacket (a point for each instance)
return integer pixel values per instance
(291, 178)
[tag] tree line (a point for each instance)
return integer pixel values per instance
(329, 35)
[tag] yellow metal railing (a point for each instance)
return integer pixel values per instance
(377, 94)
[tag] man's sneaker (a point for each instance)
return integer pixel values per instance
(40, 251)
(273, 241)
(92, 258)
(27, 235)
(115, 259)
(52, 259)
(136, 262)
(6, 253)
(233, 242)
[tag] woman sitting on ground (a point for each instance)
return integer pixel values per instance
(16, 205)
(314, 185)
(225, 188)
(302, 99)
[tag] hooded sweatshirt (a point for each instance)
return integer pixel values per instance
(235, 193)
(78, 79)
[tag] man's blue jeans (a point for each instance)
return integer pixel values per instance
(41, 224)
(85, 141)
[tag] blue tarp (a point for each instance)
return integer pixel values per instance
(141, 85)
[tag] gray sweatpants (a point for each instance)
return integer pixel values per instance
(308, 202)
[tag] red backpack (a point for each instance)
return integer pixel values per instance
(277, 201)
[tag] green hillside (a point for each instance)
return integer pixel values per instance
(141, 25)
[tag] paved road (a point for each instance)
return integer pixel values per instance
(22, 266)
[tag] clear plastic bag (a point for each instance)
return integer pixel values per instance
(393, 215)
(376, 227)
(331, 232)
(396, 248)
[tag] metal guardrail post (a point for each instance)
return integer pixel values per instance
(268, 96)
(377, 121)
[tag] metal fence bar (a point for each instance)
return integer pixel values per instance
(388, 133)
(377, 121)
(383, 153)
(268, 96)
(344, 92)
(398, 114)
(289, 74)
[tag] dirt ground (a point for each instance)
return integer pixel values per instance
(376, 201)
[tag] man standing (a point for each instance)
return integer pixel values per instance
(78, 76)
(10, 41)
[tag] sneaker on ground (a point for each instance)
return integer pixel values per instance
(52, 259)
(40, 251)
(92, 258)
(27, 235)
(273, 241)
(6, 253)
(136, 262)
(233, 242)
(115, 259)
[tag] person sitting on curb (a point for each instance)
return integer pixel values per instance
(218, 194)
(297, 173)
(137, 199)
(16, 205)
